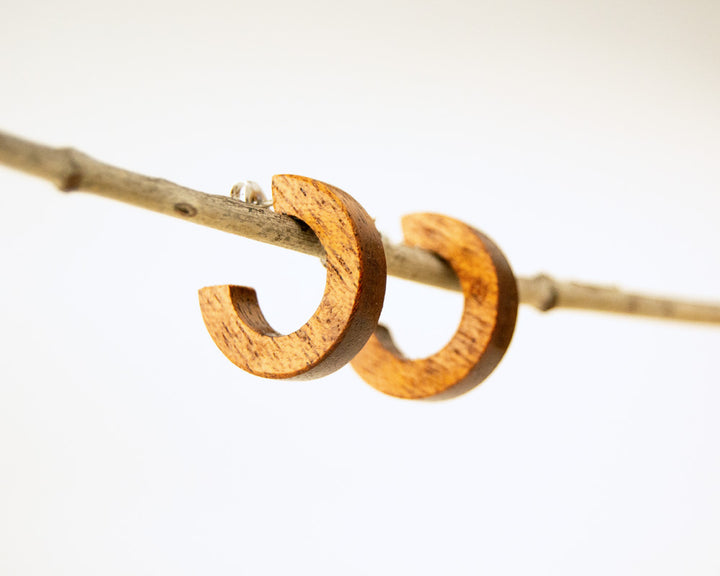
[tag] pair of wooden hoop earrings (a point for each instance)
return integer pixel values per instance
(345, 326)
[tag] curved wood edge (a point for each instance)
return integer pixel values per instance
(486, 326)
(351, 304)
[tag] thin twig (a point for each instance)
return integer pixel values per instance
(71, 170)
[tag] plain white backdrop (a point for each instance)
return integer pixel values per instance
(582, 136)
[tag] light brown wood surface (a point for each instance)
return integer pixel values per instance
(351, 304)
(486, 326)
(71, 170)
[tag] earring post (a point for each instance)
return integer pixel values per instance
(71, 170)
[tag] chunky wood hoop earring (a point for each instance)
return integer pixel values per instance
(486, 327)
(351, 304)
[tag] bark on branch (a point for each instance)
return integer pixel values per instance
(71, 170)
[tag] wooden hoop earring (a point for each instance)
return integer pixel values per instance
(485, 330)
(351, 304)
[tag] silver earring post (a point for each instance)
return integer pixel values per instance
(251, 193)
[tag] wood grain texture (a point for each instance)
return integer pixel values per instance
(71, 170)
(486, 326)
(351, 304)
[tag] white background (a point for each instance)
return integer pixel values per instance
(582, 136)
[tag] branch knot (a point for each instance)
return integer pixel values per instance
(72, 178)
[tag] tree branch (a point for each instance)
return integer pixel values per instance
(71, 170)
